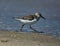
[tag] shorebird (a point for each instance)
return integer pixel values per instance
(29, 19)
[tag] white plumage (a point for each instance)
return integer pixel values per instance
(27, 21)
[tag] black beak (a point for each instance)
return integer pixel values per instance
(42, 17)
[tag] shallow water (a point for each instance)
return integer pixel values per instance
(50, 9)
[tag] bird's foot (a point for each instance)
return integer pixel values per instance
(21, 30)
(38, 32)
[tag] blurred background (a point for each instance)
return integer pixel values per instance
(50, 9)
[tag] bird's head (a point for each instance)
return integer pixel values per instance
(39, 15)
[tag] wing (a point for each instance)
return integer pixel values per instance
(30, 17)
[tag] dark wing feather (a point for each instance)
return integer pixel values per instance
(30, 17)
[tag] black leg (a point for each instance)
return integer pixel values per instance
(34, 29)
(22, 27)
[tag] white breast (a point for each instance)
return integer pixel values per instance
(27, 21)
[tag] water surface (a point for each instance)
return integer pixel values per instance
(50, 9)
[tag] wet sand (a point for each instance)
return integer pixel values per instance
(27, 39)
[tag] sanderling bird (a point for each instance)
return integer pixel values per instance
(29, 19)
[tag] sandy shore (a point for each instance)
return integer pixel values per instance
(27, 39)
